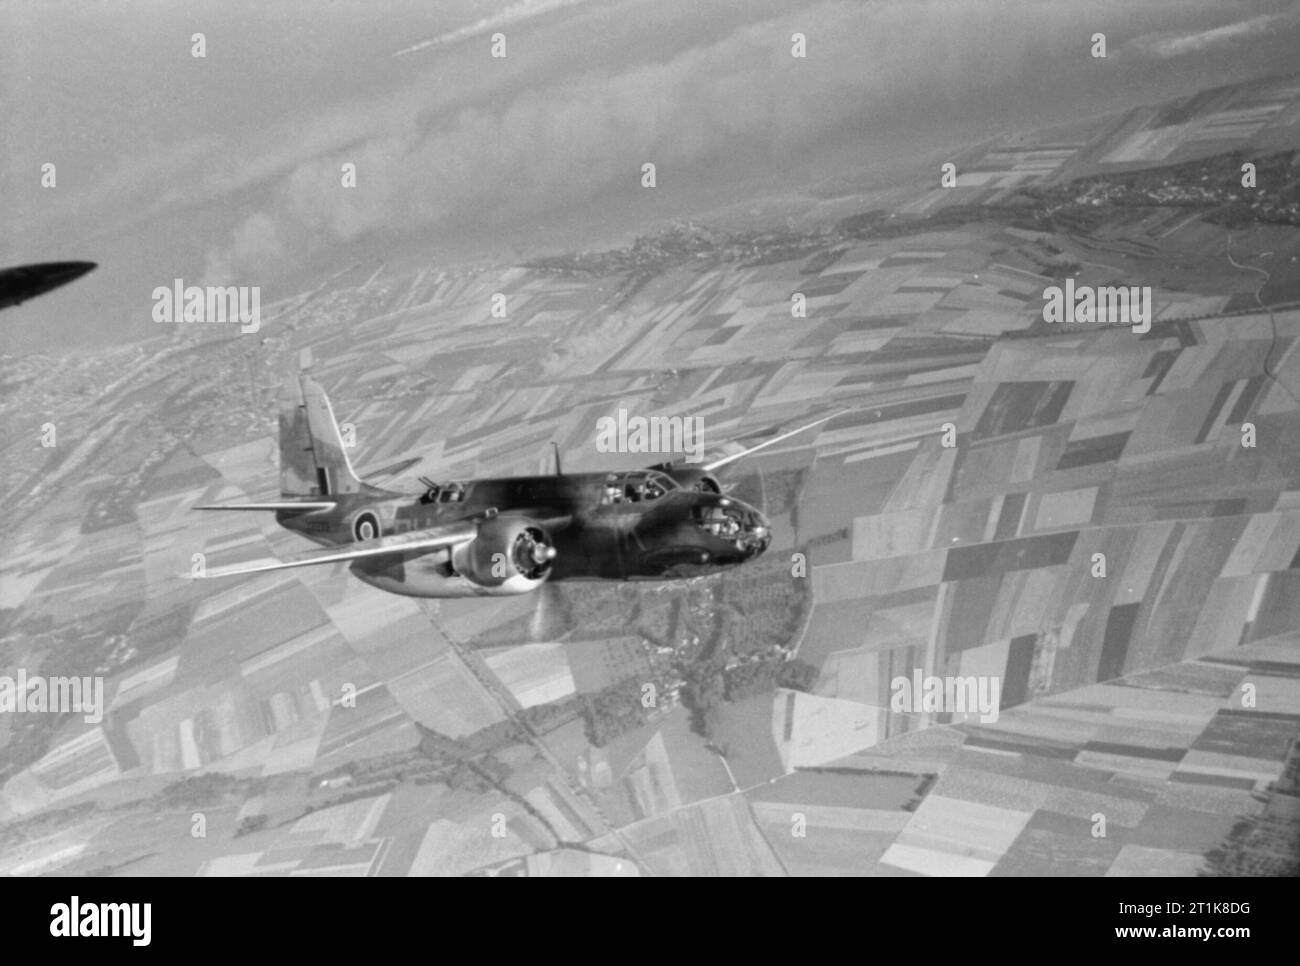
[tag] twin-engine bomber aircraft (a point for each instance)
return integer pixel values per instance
(502, 535)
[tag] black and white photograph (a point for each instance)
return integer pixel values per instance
(651, 438)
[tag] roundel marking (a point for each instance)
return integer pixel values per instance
(366, 527)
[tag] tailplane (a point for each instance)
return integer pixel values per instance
(313, 460)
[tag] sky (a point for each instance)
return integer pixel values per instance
(226, 169)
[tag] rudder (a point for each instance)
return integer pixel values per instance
(313, 460)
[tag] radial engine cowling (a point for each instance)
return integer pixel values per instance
(511, 554)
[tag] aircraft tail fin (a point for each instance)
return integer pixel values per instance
(313, 459)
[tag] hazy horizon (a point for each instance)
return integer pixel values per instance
(226, 168)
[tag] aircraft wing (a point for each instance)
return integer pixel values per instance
(416, 542)
(719, 463)
(287, 505)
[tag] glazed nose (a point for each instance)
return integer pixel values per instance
(755, 520)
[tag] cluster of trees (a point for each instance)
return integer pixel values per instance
(208, 788)
(614, 711)
(250, 824)
(709, 683)
(764, 676)
(703, 694)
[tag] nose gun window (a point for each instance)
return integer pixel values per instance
(720, 521)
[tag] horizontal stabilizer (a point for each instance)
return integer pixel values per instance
(287, 505)
(416, 542)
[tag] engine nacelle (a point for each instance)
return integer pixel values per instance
(509, 554)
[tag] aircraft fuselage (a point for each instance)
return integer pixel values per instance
(645, 524)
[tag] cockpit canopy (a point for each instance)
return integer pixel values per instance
(442, 492)
(636, 486)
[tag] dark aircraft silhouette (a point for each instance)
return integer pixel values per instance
(22, 282)
(502, 535)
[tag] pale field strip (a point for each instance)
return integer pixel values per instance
(1010, 363)
(906, 303)
(76, 591)
(369, 375)
(452, 848)
(778, 815)
(1095, 420)
(83, 758)
(808, 386)
(1107, 395)
(1277, 694)
(523, 444)
(981, 296)
(238, 540)
(359, 616)
(443, 695)
(56, 855)
(951, 837)
(295, 747)
(988, 660)
(926, 480)
(855, 343)
(238, 595)
(523, 401)
(855, 454)
(823, 729)
(540, 798)
(652, 785)
(1262, 771)
(347, 824)
(145, 681)
(353, 870)
(242, 865)
(1232, 329)
(853, 675)
(241, 465)
(1139, 860)
(1067, 509)
(861, 258)
(1147, 769)
(965, 780)
(15, 590)
(534, 673)
(1144, 705)
(719, 837)
(49, 553)
(925, 202)
(282, 651)
(1121, 807)
(1191, 308)
(1230, 605)
(569, 862)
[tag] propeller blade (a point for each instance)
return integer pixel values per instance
(550, 619)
